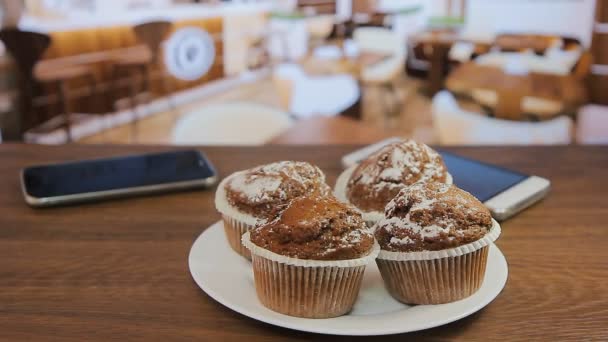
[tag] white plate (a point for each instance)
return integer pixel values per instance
(228, 278)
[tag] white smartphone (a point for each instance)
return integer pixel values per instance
(94, 180)
(504, 192)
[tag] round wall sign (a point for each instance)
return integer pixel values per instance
(189, 53)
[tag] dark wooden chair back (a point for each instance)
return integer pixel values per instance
(152, 35)
(26, 48)
(571, 42)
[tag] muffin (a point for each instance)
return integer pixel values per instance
(255, 196)
(434, 244)
(309, 261)
(370, 185)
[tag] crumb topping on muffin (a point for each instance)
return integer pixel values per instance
(431, 217)
(266, 190)
(379, 178)
(316, 228)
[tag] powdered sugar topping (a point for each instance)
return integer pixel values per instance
(257, 187)
(403, 241)
(393, 167)
(265, 182)
(432, 214)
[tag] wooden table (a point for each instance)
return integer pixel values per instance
(354, 66)
(315, 67)
(118, 270)
(568, 89)
(440, 43)
(331, 131)
(367, 59)
(519, 42)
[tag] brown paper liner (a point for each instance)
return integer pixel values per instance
(309, 292)
(435, 281)
(234, 230)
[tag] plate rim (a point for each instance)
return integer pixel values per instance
(327, 330)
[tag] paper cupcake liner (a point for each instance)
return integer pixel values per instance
(236, 223)
(234, 230)
(307, 288)
(262, 252)
(370, 217)
(486, 240)
(222, 205)
(434, 281)
(436, 277)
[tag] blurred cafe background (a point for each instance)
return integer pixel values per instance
(252, 72)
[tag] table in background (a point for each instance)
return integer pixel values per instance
(340, 66)
(344, 65)
(440, 42)
(567, 89)
(119, 270)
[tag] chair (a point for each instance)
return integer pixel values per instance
(137, 66)
(27, 49)
(417, 63)
(592, 125)
(320, 28)
(304, 96)
(381, 41)
(288, 37)
(257, 53)
(455, 126)
(385, 74)
(237, 123)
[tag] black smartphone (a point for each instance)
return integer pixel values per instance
(99, 179)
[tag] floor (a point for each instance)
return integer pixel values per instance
(414, 120)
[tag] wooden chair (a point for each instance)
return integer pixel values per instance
(303, 96)
(320, 28)
(455, 126)
(385, 74)
(137, 67)
(257, 53)
(27, 49)
(583, 66)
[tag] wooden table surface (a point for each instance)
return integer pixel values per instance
(314, 66)
(568, 89)
(553, 87)
(118, 270)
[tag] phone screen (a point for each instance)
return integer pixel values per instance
(116, 173)
(482, 180)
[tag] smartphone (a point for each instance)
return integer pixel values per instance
(100, 179)
(504, 192)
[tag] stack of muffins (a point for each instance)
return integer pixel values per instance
(309, 247)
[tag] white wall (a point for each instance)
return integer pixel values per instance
(567, 17)
(407, 25)
(344, 9)
(429, 7)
